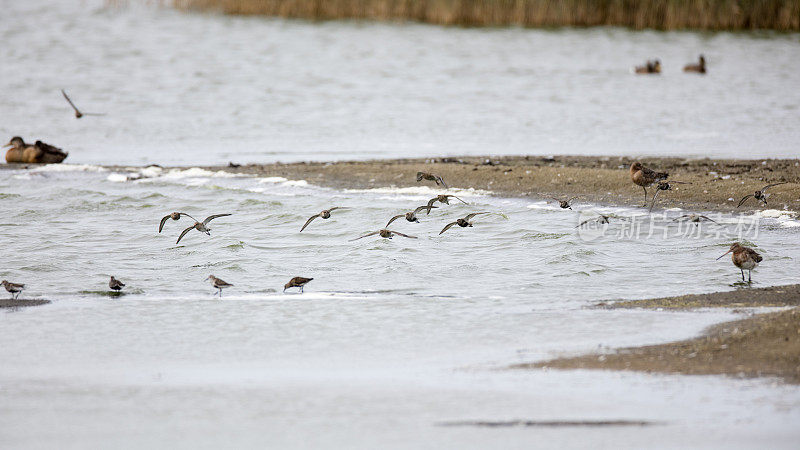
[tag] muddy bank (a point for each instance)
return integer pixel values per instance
(11, 303)
(767, 345)
(717, 185)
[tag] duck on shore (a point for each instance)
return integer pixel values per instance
(37, 153)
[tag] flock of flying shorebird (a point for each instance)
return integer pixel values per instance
(744, 258)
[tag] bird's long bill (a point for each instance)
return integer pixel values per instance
(8, 145)
(723, 255)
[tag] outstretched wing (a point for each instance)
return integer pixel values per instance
(428, 207)
(70, 102)
(334, 208)
(573, 198)
(184, 234)
(440, 179)
(709, 219)
(585, 222)
(743, 200)
(764, 189)
(394, 218)
(430, 203)
(447, 227)
(404, 235)
(366, 235)
(679, 218)
(462, 201)
(470, 216)
(163, 221)
(654, 200)
(309, 221)
(210, 218)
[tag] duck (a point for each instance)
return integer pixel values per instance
(38, 153)
(700, 67)
(650, 67)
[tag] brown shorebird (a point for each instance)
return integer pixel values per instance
(13, 288)
(564, 204)
(650, 67)
(38, 153)
(78, 114)
(200, 226)
(463, 222)
(664, 186)
(218, 284)
(443, 199)
(642, 176)
(384, 233)
(115, 284)
(760, 195)
(173, 216)
(700, 67)
(694, 218)
(431, 177)
(296, 282)
(601, 219)
(745, 258)
(411, 216)
(325, 214)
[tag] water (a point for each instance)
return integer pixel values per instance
(184, 88)
(393, 337)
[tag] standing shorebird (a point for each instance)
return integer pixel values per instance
(218, 284)
(173, 216)
(325, 214)
(564, 204)
(431, 177)
(463, 222)
(760, 195)
(443, 199)
(296, 282)
(745, 258)
(642, 176)
(694, 218)
(700, 67)
(384, 233)
(200, 226)
(115, 284)
(664, 186)
(78, 114)
(411, 216)
(13, 288)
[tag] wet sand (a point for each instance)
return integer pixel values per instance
(766, 345)
(717, 185)
(10, 303)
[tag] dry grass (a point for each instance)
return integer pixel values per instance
(658, 14)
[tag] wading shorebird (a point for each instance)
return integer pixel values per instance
(642, 176)
(664, 186)
(565, 204)
(218, 284)
(431, 177)
(200, 226)
(296, 282)
(325, 214)
(760, 195)
(79, 114)
(13, 288)
(38, 153)
(443, 199)
(173, 216)
(694, 218)
(463, 222)
(115, 284)
(745, 258)
(384, 233)
(411, 216)
(700, 67)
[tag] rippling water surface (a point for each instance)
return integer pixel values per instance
(393, 337)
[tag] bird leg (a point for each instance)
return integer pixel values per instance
(645, 197)
(301, 289)
(749, 276)
(742, 274)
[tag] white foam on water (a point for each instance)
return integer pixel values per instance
(422, 190)
(117, 178)
(272, 180)
(69, 168)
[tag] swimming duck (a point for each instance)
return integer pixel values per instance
(649, 68)
(700, 67)
(38, 153)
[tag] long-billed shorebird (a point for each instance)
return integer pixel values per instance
(115, 284)
(463, 222)
(79, 114)
(296, 282)
(37, 153)
(565, 204)
(700, 67)
(13, 288)
(325, 214)
(431, 177)
(694, 218)
(760, 195)
(200, 226)
(411, 216)
(745, 258)
(664, 186)
(443, 199)
(218, 284)
(642, 176)
(173, 216)
(384, 233)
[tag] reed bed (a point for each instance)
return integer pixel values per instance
(781, 15)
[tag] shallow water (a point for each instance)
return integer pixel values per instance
(182, 88)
